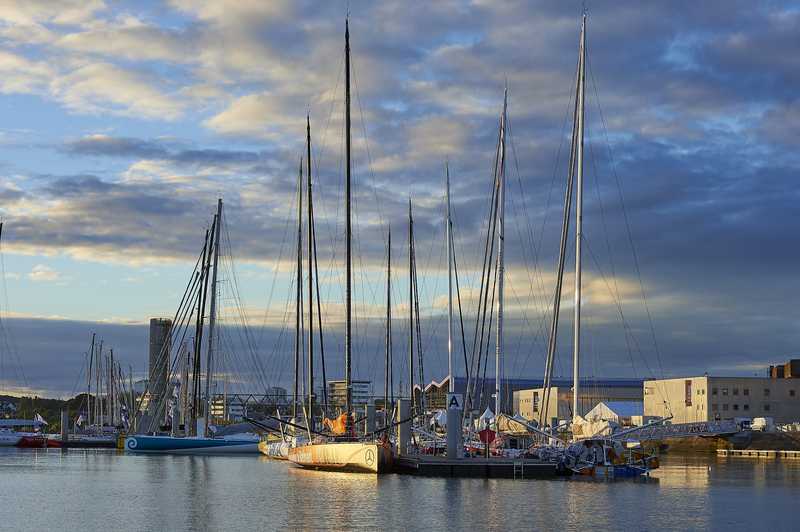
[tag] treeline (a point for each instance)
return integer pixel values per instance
(49, 409)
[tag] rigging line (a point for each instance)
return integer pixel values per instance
(244, 332)
(625, 325)
(541, 305)
(627, 221)
(488, 253)
(383, 223)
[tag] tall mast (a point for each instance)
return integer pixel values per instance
(198, 335)
(348, 338)
(310, 280)
(579, 224)
(411, 304)
(298, 316)
(501, 184)
(89, 361)
(451, 386)
(388, 359)
(212, 318)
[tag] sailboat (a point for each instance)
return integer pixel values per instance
(272, 445)
(199, 439)
(343, 451)
(588, 454)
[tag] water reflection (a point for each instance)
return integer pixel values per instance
(100, 490)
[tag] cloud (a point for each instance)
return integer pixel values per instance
(102, 87)
(43, 273)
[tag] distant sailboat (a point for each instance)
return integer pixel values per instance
(343, 451)
(204, 443)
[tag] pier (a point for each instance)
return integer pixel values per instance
(756, 453)
(436, 466)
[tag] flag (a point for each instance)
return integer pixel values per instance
(39, 420)
(80, 421)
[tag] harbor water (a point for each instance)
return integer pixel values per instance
(95, 490)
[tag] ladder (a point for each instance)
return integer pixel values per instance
(519, 468)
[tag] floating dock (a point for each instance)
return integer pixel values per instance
(756, 453)
(437, 466)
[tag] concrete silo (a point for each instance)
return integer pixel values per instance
(160, 355)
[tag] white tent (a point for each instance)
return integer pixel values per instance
(617, 411)
(486, 420)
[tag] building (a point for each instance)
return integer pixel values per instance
(337, 393)
(278, 395)
(695, 399)
(528, 403)
(790, 370)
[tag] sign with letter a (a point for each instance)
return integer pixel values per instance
(455, 401)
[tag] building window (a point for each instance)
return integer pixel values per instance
(745, 407)
(736, 391)
(648, 390)
(736, 407)
(766, 392)
(714, 407)
(713, 391)
(766, 407)
(746, 391)
(791, 393)
(725, 407)
(688, 392)
(724, 391)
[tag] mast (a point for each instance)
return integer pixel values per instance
(299, 291)
(500, 252)
(310, 281)
(451, 386)
(111, 411)
(348, 338)
(388, 359)
(198, 334)
(411, 304)
(579, 224)
(212, 318)
(89, 361)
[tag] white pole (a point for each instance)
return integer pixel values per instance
(500, 253)
(579, 227)
(449, 285)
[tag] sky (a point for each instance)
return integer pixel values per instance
(122, 122)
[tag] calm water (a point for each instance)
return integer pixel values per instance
(103, 490)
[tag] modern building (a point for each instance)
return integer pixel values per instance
(695, 399)
(529, 403)
(337, 393)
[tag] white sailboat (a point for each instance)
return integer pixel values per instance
(343, 451)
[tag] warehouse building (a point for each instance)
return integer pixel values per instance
(706, 398)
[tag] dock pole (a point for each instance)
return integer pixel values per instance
(64, 426)
(403, 429)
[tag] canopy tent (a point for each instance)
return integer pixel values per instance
(617, 411)
(486, 420)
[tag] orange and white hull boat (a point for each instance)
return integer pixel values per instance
(354, 457)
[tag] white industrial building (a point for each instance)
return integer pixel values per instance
(706, 398)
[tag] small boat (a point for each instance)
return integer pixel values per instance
(9, 438)
(235, 444)
(277, 450)
(608, 459)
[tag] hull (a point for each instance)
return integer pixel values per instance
(276, 450)
(9, 440)
(32, 442)
(352, 457)
(207, 446)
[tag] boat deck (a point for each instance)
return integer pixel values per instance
(439, 466)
